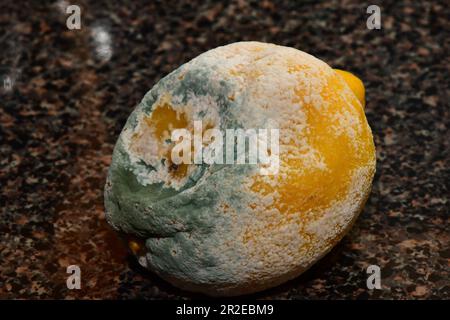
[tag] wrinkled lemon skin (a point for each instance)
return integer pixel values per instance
(227, 230)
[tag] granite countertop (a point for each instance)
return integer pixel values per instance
(72, 90)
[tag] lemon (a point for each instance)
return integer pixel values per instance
(226, 229)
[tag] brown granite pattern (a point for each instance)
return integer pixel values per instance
(60, 120)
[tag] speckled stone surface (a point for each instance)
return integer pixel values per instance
(64, 109)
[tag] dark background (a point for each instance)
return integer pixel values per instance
(63, 114)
